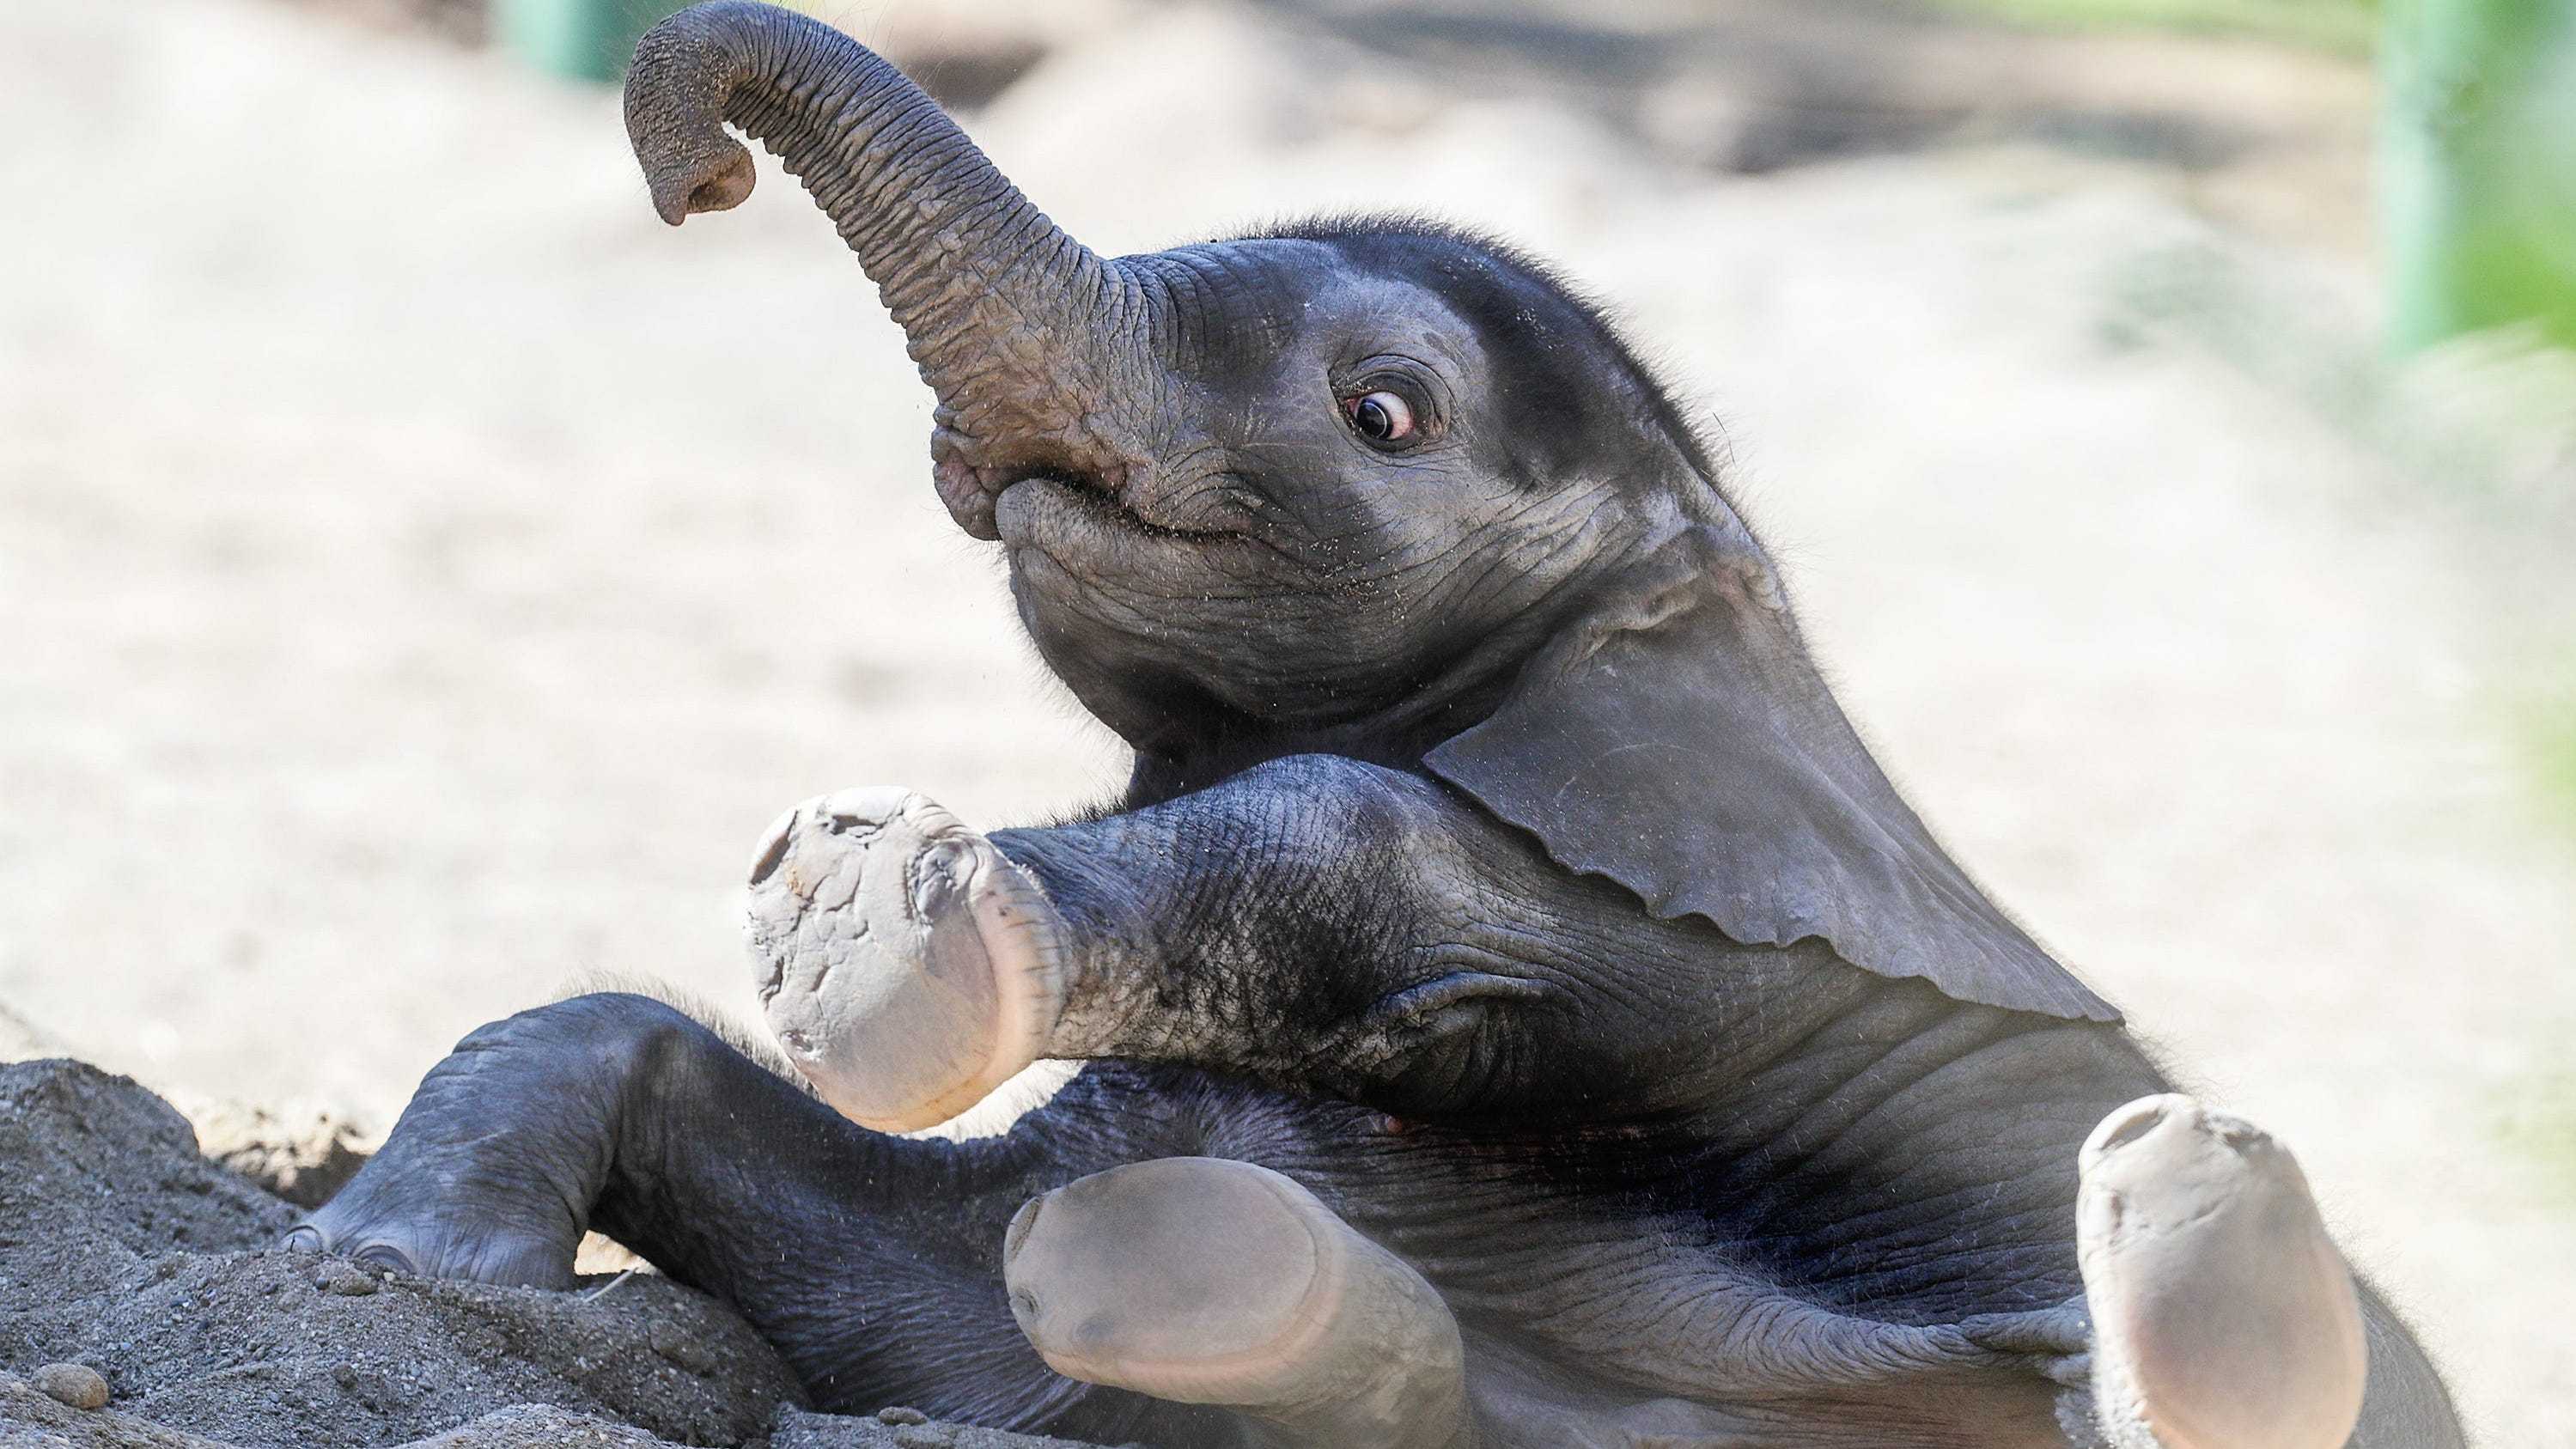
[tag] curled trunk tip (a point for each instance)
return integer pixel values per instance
(684, 77)
(1016, 326)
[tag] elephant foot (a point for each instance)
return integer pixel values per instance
(1209, 1281)
(399, 1237)
(489, 1171)
(2223, 1317)
(905, 965)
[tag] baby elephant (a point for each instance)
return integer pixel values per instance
(1518, 1010)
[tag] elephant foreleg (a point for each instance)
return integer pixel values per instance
(1320, 924)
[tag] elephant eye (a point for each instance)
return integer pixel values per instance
(1381, 416)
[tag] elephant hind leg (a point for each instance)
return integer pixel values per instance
(491, 1173)
(620, 1113)
(744, 1039)
(1211, 1281)
(2223, 1316)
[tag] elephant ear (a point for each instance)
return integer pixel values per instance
(1678, 739)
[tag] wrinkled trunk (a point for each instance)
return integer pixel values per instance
(1016, 326)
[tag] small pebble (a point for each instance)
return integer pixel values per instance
(76, 1384)
(898, 1414)
(346, 1279)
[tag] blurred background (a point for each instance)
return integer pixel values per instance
(425, 574)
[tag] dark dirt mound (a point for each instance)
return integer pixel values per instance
(897, 1429)
(124, 1249)
(27, 1416)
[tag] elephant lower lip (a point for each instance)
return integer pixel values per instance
(968, 500)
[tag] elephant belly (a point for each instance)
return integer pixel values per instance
(1995, 1408)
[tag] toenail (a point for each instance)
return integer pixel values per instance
(2146, 1118)
(773, 848)
(2133, 1129)
(302, 1238)
(2241, 1137)
(386, 1255)
(1021, 1222)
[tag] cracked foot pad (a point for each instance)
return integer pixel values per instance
(2223, 1317)
(905, 965)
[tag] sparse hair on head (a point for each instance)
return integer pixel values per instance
(1677, 422)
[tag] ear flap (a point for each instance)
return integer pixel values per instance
(1679, 740)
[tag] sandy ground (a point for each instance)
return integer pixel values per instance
(152, 1273)
(425, 574)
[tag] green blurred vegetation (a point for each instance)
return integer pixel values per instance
(2536, 1121)
(590, 40)
(2347, 27)
(2478, 167)
(2551, 737)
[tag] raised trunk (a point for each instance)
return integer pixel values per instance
(1015, 325)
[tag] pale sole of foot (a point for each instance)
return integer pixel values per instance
(2223, 1316)
(1211, 1281)
(907, 967)
(1197, 1279)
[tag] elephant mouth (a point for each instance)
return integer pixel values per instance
(1047, 505)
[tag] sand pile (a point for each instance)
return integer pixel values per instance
(125, 1252)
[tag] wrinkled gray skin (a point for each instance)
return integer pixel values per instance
(1672, 1166)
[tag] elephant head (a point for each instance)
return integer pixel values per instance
(1368, 487)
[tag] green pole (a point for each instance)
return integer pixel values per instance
(2478, 167)
(591, 40)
